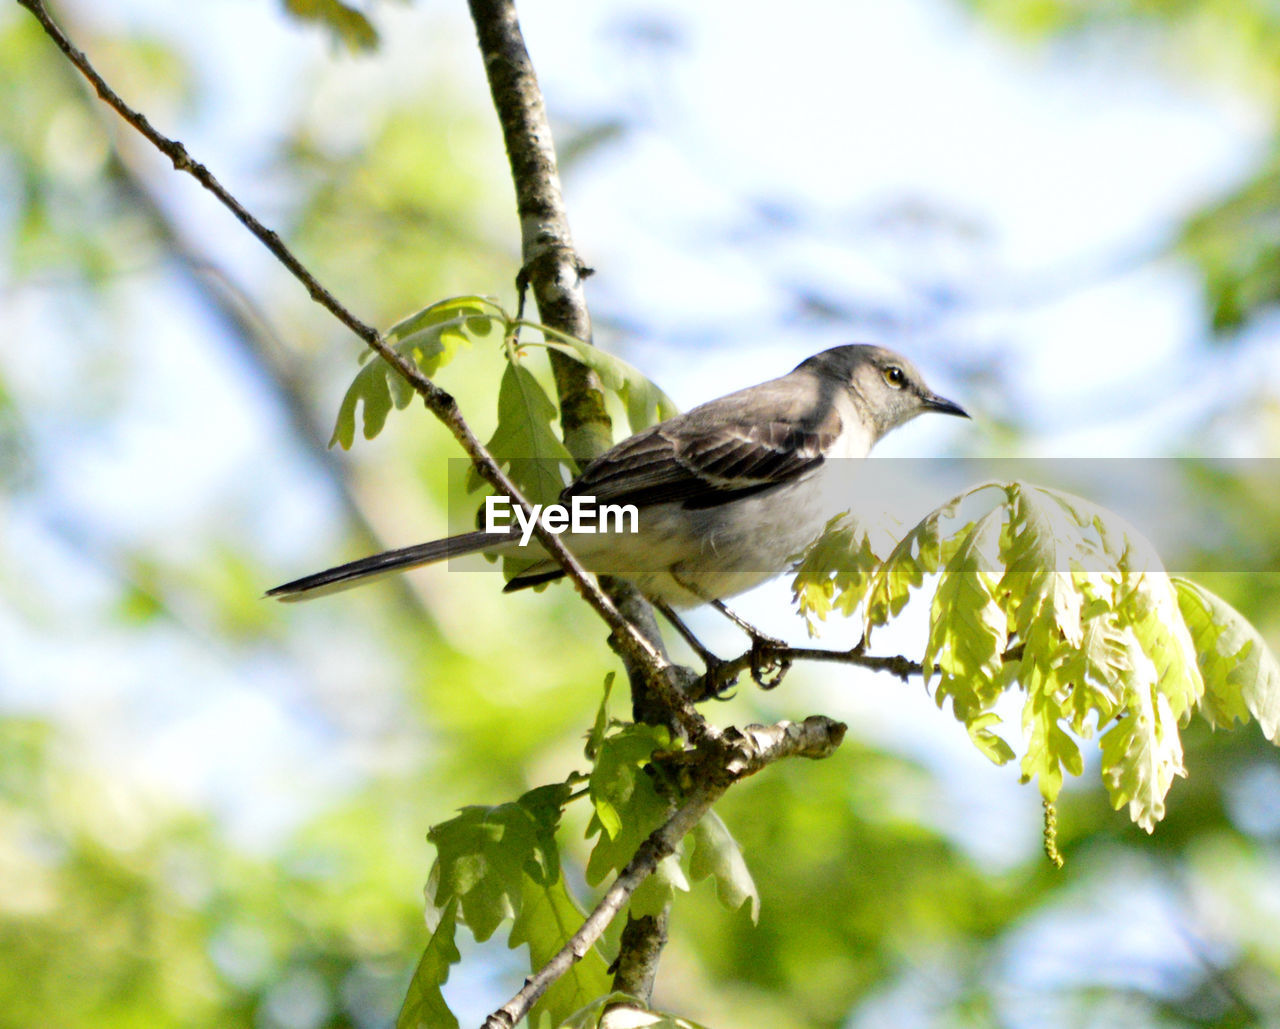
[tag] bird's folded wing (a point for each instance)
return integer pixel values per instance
(705, 465)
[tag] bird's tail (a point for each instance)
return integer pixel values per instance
(357, 573)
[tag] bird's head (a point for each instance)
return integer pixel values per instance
(887, 388)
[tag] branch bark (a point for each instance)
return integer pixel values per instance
(551, 266)
(726, 674)
(555, 272)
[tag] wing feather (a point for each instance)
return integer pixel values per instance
(710, 456)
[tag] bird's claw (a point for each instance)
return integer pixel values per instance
(768, 666)
(718, 680)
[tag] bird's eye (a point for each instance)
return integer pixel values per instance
(895, 376)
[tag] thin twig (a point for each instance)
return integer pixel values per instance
(182, 161)
(726, 673)
(735, 756)
(442, 404)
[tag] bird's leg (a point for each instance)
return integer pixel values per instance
(767, 668)
(713, 664)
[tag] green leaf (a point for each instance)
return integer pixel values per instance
(424, 1006)
(968, 633)
(1105, 640)
(1142, 752)
(547, 918)
(1049, 747)
(835, 572)
(429, 339)
(716, 852)
(1101, 638)
(1241, 675)
(524, 443)
(919, 554)
(627, 805)
(601, 726)
(994, 748)
(1162, 633)
(484, 854)
(619, 770)
(645, 403)
(1041, 540)
(657, 891)
(627, 808)
(1096, 673)
(472, 314)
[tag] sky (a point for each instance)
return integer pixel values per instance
(768, 158)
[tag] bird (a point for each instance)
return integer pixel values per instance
(726, 495)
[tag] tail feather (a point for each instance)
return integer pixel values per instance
(357, 573)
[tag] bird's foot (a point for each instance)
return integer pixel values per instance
(719, 678)
(768, 663)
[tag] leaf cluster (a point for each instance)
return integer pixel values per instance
(525, 442)
(1047, 594)
(502, 863)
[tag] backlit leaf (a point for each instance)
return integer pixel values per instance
(968, 631)
(1241, 675)
(484, 854)
(716, 852)
(524, 442)
(428, 339)
(645, 402)
(835, 572)
(424, 1006)
(548, 917)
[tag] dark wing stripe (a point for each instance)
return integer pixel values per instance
(704, 466)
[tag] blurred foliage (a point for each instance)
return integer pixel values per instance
(348, 24)
(117, 911)
(1061, 600)
(1235, 242)
(124, 902)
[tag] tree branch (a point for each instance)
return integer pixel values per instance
(639, 952)
(552, 267)
(720, 763)
(637, 650)
(727, 673)
(551, 264)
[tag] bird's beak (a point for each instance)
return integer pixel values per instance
(942, 405)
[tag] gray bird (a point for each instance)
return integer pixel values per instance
(725, 494)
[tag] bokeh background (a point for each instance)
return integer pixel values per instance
(213, 808)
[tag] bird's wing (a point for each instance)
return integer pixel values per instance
(703, 460)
